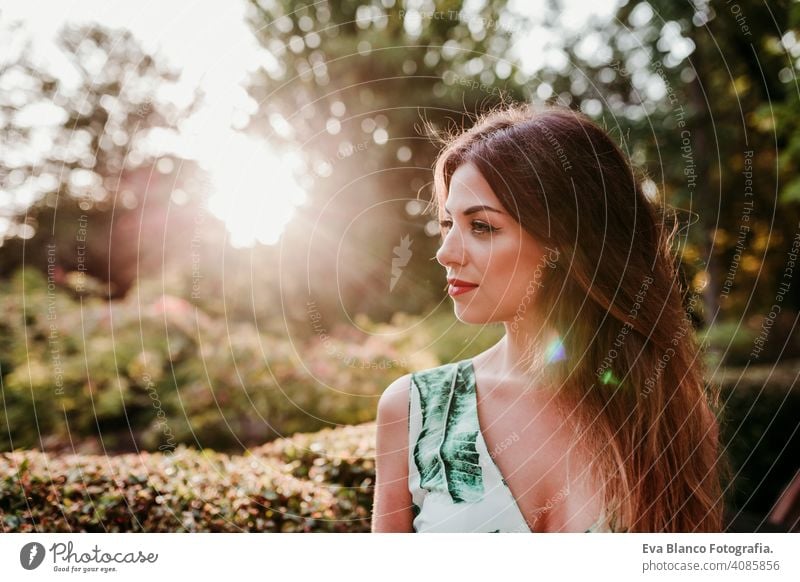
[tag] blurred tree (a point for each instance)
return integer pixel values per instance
(690, 88)
(81, 189)
(351, 84)
(697, 92)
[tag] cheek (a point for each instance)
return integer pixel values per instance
(516, 279)
(506, 275)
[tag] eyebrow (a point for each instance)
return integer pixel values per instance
(474, 209)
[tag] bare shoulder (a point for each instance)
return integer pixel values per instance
(392, 511)
(393, 403)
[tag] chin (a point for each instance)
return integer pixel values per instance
(474, 318)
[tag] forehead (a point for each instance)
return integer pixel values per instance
(468, 187)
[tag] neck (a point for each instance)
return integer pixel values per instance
(521, 351)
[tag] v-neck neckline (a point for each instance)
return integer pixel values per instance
(486, 446)
(491, 458)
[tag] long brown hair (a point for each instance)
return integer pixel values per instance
(631, 382)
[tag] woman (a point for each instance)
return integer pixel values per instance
(591, 413)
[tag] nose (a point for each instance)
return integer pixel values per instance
(451, 251)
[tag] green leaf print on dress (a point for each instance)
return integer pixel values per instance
(445, 454)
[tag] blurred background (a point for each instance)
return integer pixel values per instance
(213, 237)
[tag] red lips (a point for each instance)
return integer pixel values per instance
(461, 283)
(457, 287)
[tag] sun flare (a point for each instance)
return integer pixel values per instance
(254, 191)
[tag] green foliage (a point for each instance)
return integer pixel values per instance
(727, 341)
(454, 340)
(708, 110)
(154, 371)
(342, 460)
(325, 481)
(378, 77)
(760, 429)
(732, 343)
(185, 491)
(84, 198)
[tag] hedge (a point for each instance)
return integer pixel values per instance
(761, 429)
(188, 491)
(324, 481)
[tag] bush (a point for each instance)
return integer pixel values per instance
(153, 371)
(342, 458)
(191, 491)
(731, 343)
(761, 430)
(324, 481)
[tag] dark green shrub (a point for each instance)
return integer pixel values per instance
(761, 430)
(152, 371)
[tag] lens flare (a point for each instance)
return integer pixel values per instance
(555, 351)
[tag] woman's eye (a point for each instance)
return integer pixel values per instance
(477, 226)
(481, 227)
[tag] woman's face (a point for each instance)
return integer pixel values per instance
(484, 245)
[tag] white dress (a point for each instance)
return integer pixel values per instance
(455, 484)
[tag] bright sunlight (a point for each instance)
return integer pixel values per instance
(254, 191)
